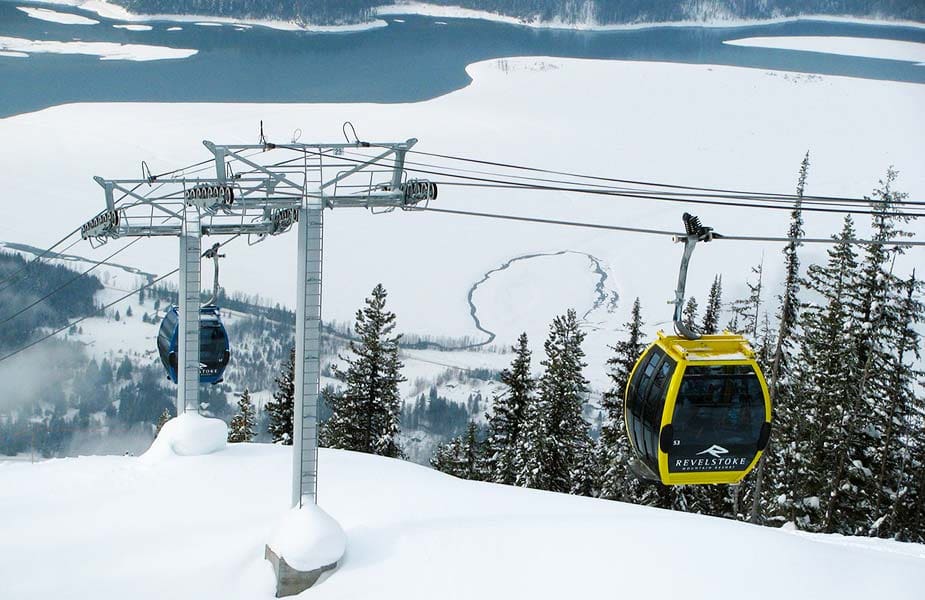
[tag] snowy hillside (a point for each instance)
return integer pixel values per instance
(735, 128)
(195, 527)
(127, 332)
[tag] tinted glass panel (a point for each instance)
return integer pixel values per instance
(634, 399)
(212, 344)
(717, 418)
(641, 379)
(655, 404)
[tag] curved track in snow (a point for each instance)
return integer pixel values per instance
(600, 290)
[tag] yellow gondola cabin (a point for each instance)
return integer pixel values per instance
(697, 410)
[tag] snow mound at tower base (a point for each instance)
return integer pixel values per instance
(190, 434)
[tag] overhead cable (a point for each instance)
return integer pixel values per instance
(639, 182)
(662, 232)
(101, 308)
(66, 283)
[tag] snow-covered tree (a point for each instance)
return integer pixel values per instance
(689, 314)
(614, 452)
(900, 484)
(366, 414)
(555, 451)
(827, 382)
(507, 415)
(780, 456)
(243, 425)
(462, 456)
(280, 409)
(448, 457)
(714, 307)
(854, 484)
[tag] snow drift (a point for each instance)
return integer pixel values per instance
(196, 527)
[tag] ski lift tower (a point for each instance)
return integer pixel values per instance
(259, 190)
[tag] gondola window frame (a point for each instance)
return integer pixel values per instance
(646, 396)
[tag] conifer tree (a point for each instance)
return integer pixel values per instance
(472, 452)
(854, 485)
(614, 452)
(751, 321)
(507, 416)
(365, 415)
(244, 424)
(689, 315)
(448, 457)
(462, 456)
(780, 453)
(827, 382)
(555, 450)
(901, 438)
(714, 306)
(280, 409)
(532, 452)
(748, 310)
(125, 369)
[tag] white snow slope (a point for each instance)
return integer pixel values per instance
(699, 125)
(847, 46)
(195, 527)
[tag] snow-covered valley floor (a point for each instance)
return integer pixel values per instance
(195, 527)
(699, 125)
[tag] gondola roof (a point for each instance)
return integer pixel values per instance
(727, 346)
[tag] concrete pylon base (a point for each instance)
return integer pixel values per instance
(290, 581)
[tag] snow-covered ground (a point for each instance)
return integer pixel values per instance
(846, 46)
(195, 527)
(54, 16)
(105, 50)
(701, 125)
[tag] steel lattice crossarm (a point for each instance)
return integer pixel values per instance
(257, 189)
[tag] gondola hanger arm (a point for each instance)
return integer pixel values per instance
(695, 232)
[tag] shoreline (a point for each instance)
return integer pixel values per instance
(455, 12)
(108, 10)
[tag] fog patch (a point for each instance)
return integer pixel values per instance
(132, 440)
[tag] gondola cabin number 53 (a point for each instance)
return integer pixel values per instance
(698, 411)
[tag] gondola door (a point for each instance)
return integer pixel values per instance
(719, 423)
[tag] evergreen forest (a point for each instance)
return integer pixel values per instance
(604, 12)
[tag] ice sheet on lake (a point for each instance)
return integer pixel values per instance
(845, 46)
(54, 16)
(134, 27)
(105, 50)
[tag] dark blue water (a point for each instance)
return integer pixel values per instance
(410, 61)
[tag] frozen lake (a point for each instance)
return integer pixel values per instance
(414, 58)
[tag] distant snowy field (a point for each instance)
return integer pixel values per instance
(846, 46)
(686, 124)
(195, 527)
(105, 50)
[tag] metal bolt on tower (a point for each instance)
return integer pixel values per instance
(259, 190)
